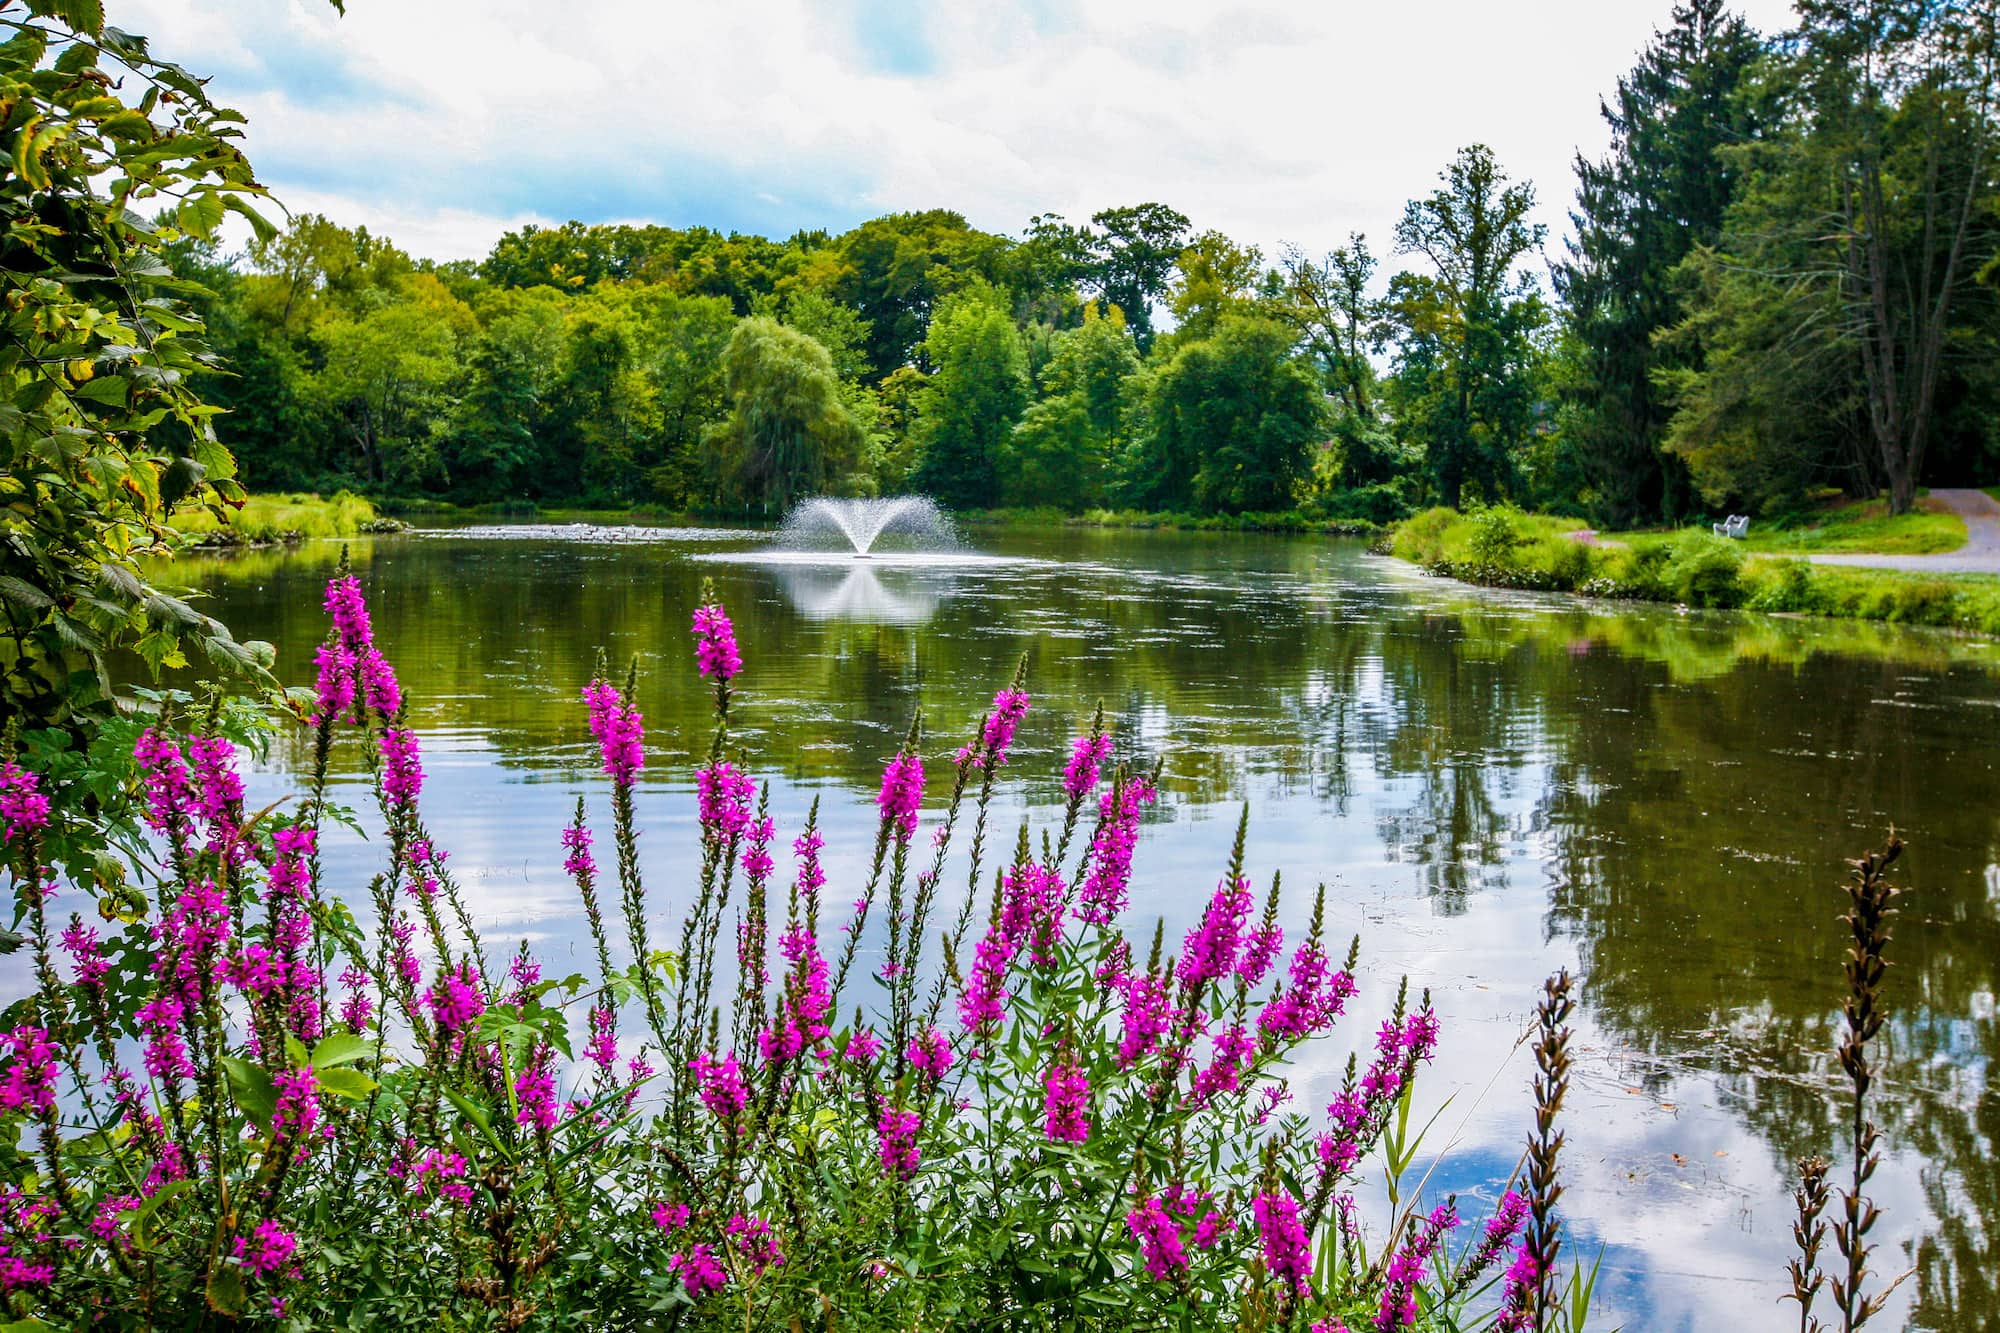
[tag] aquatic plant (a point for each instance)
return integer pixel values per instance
(247, 1105)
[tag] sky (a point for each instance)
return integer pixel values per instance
(443, 123)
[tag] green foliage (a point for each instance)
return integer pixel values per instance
(104, 434)
(966, 410)
(264, 519)
(1468, 369)
(1227, 423)
(1661, 190)
(1062, 451)
(788, 432)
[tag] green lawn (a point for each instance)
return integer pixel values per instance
(1857, 526)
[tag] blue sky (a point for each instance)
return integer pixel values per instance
(444, 122)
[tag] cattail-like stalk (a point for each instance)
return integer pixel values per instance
(1871, 911)
(1809, 1232)
(1543, 1241)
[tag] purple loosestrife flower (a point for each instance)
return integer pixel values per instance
(699, 1271)
(1159, 1238)
(983, 1002)
(603, 1048)
(402, 767)
(576, 841)
(720, 1086)
(1287, 1255)
(751, 1238)
(896, 1141)
(333, 692)
(1317, 995)
(863, 1046)
(1406, 1271)
(902, 794)
(801, 1020)
(1501, 1228)
(1517, 1301)
(996, 734)
(455, 999)
(1209, 952)
(715, 651)
(218, 791)
(356, 1008)
(30, 1080)
(930, 1055)
(619, 729)
(1260, 950)
(1066, 1104)
(379, 689)
(757, 863)
(267, 1249)
(724, 797)
(535, 1093)
(1086, 757)
(1225, 1073)
(297, 1114)
(1149, 1015)
(166, 777)
(1031, 910)
(349, 610)
(806, 848)
(671, 1216)
(86, 952)
(1105, 886)
(23, 807)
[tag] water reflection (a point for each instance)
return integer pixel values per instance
(1490, 784)
(858, 592)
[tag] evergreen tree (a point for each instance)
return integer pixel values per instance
(1662, 189)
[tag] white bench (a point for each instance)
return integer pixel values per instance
(1736, 526)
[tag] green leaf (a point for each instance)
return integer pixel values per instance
(253, 1091)
(225, 1291)
(259, 224)
(342, 1048)
(28, 1325)
(139, 1227)
(478, 1118)
(80, 15)
(347, 1082)
(111, 390)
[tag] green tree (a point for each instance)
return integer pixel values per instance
(1061, 451)
(1228, 423)
(972, 399)
(1467, 366)
(788, 434)
(1216, 276)
(388, 376)
(900, 267)
(508, 414)
(1135, 250)
(1662, 189)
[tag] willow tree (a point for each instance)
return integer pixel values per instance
(788, 432)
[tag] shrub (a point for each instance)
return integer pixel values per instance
(388, 1126)
(1496, 533)
(1702, 570)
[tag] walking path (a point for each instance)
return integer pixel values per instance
(1979, 555)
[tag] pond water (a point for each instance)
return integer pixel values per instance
(1490, 785)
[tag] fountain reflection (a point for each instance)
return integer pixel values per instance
(867, 594)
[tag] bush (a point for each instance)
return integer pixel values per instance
(1047, 1122)
(1702, 570)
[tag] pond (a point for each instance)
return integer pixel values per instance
(1490, 786)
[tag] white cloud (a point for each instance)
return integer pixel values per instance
(448, 121)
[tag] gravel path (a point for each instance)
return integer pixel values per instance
(1979, 555)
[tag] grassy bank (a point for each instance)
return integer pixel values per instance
(271, 520)
(1840, 525)
(1503, 547)
(1287, 521)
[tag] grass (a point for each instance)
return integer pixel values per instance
(1503, 547)
(1287, 521)
(1852, 526)
(266, 520)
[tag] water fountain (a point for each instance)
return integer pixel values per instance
(913, 523)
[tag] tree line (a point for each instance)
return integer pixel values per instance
(1781, 277)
